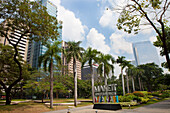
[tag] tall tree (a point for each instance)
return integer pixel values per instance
(9, 70)
(150, 75)
(27, 19)
(48, 58)
(122, 63)
(90, 56)
(74, 52)
(159, 44)
(154, 12)
(127, 75)
(105, 66)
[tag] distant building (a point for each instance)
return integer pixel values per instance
(22, 45)
(86, 72)
(36, 49)
(68, 67)
(145, 52)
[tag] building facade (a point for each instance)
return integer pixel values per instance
(145, 52)
(36, 49)
(22, 45)
(68, 67)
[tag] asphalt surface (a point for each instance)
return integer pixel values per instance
(160, 107)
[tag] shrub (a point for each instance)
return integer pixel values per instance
(156, 94)
(125, 98)
(144, 100)
(149, 93)
(149, 96)
(165, 95)
(120, 98)
(138, 93)
(137, 99)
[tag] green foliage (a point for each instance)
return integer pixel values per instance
(151, 75)
(51, 55)
(144, 100)
(29, 16)
(9, 70)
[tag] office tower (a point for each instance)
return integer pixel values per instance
(86, 72)
(68, 67)
(145, 52)
(37, 48)
(22, 45)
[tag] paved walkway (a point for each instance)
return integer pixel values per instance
(160, 107)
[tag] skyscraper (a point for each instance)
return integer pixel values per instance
(37, 49)
(145, 52)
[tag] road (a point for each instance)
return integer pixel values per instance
(160, 107)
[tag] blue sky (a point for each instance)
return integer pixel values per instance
(89, 21)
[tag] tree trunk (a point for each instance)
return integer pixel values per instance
(43, 97)
(105, 82)
(51, 85)
(75, 82)
(127, 82)
(139, 83)
(57, 94)
(123, 84)
(133, 84)
(92, 83)
(8, 97)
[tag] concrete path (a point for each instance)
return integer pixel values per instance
(160, 107)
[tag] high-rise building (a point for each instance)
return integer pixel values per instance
(145, 52)
(86, 72)
(68, 67)
(36, 49)
(22, 45)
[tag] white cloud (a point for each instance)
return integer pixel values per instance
(108, 19)
(119, 44)
(97, 41)
(72, 26)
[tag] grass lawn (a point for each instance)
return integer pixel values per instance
(31, 107)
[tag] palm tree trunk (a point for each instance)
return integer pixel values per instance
(139, 83)
(92, 83)
(133, 84)
(127, 82)
(123, 84)
(105, 82)
(75, 82)
(51, 85)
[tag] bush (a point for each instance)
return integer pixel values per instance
(138, 99)
(144, 100)
(149, 96)
(165, 95)
(156, 94)
(138, 93)
(126, 98)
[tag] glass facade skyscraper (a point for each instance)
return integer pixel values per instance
(38, 48)
(145, 52)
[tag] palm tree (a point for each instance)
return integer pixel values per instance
(73, 52)
(105, 67)
(48, 58)
(127, 75)
(122, 63)
(90, 56)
